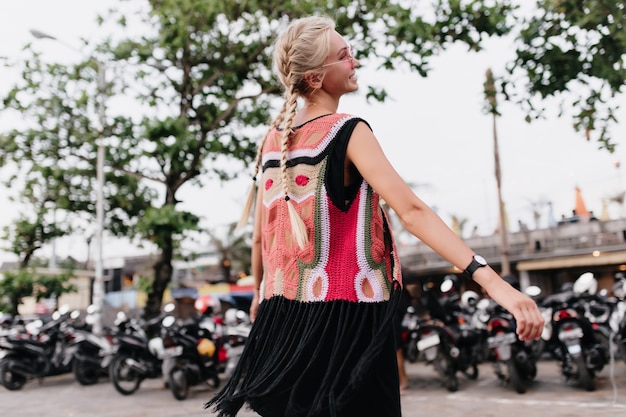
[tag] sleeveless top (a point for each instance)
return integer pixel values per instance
(322, 339)
(350, 253)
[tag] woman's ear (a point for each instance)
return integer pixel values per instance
(314, 79)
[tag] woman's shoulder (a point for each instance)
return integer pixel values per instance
(352, 119)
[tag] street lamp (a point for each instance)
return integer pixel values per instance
(98, 287)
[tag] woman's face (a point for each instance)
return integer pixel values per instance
(340, 66)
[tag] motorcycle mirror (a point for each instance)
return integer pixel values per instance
(532, 291)
(169, 307)
(586, 283)
(446, 285)
(56, 315)
(483, 304)
(168, 321)
(90, 320)
(64, 309)
(121, 316)
(33, 327)
(75, 314)
(92, 308)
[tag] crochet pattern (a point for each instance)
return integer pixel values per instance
(359, 269)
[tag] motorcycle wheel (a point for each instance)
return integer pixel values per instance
(11, 380)
(471, 372)
(125, 379)
(443, 365)
(585, 379)
(412, 353)
(179, 384)
(85, 374)
(518, 382)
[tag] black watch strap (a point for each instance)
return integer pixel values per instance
(477, 262)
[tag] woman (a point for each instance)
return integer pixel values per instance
(324, 261)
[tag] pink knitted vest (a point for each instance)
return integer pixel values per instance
(350, 254)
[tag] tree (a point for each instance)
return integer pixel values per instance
(574, 50)
(19, 283)
(201, 79)
(491, 107)
(235, 252)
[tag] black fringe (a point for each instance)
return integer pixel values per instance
(307, 359)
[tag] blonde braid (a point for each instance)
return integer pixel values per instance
(300, 50)
(245, 215)
(297, 224)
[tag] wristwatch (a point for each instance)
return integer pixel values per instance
(477, 262)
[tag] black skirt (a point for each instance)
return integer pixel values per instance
(319, 359)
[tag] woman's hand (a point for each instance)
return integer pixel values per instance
(528, 318)
(254, 306)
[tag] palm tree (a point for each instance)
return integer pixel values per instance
(235, 252)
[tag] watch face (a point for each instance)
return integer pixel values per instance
(480, 259)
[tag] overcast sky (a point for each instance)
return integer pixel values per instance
(433, 130)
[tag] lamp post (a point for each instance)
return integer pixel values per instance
(98, 287)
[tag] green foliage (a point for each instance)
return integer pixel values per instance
(575, 50)
(235, 251)
(161, 224)
(17, 284)
(202, 88)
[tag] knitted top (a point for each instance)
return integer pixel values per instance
(350, 253)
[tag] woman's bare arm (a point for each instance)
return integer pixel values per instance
(419, 219)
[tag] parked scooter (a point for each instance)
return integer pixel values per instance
(573, 342)
(446, 340)
(195, 355)
(235, 335)
(617, 321)
(93, 354)
(139, 353)
(46, 352)
(514, 360)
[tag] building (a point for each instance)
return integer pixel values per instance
(543, 257)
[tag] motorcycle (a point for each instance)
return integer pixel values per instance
(617, 321)
(46, 352)
(446, 340)
(139, 353)
(573, 342)
(93, 354)
(514, 360)
(236, 331)
(196, 356)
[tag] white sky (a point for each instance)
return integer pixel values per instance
(433, 130)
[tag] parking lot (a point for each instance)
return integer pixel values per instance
(549, 396)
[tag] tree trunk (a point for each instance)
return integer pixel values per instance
(162, 278)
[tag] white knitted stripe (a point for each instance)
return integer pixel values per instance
(319, 271)
(365, 272)
(310, 153)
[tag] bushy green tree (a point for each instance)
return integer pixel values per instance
(200, 78)
(574, 51)
(17, 284)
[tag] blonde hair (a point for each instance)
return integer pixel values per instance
(299, 51)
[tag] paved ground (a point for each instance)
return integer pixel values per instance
(550, 396)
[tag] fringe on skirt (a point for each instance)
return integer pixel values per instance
(316, 359)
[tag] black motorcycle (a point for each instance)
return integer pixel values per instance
(196, 355)
(93, 353)
(139, 354)
(573, 342)
(447, 340)
(514, 360)
(47, 353)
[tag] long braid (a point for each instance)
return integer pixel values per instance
(245, 215)
(300, 50)
(297, 224)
